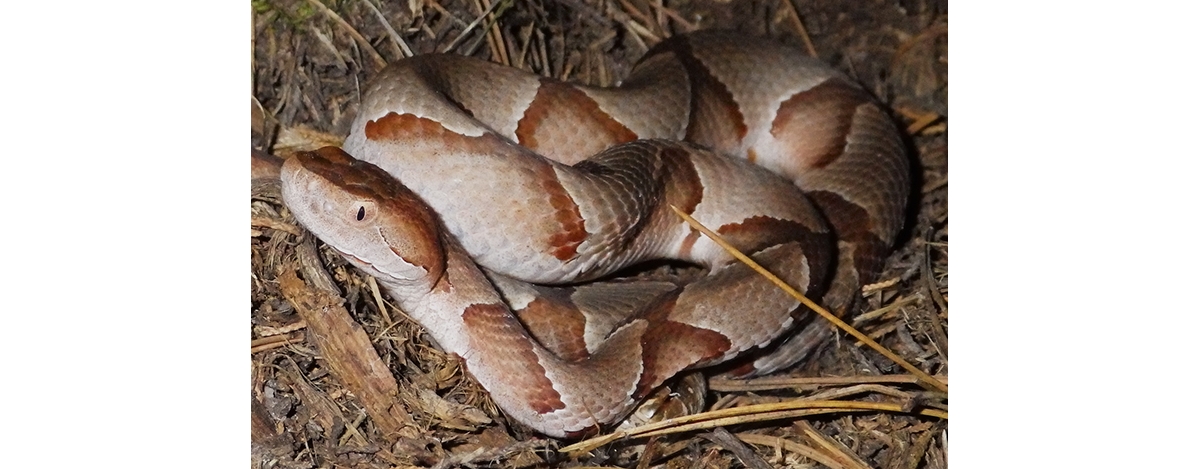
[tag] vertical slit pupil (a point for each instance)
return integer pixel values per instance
(362, 213)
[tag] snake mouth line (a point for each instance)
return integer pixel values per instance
(357, 260)
(368, 266)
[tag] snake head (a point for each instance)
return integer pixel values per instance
(366, 215)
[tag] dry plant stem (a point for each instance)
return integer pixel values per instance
(328, 43)
(686, 25)
(872, 315)
(760, 417)
(832, 447)
(378, 299)
(265, 331)
(274, 342)
(637, 16)
(799, 25)
(933, 31)
(352, 432)
(651, 453)
(358, 38)
(467, 30)
(789, 445)
(274, 225)
(661, 19)
(926, 380)
(921, 123)
(526, 40)
(495, 38)
(927, 271)
(839, 393)
(642, 31)
(776, 382)
(746, 414)
(919, 448)
(874, 287)
(395, 36)
(726, 440)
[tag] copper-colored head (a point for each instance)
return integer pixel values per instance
(363, 212)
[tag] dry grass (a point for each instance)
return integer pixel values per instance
(340, 378)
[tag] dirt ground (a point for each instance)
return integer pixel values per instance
(317, 404)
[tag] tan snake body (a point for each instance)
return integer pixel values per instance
(460, 164)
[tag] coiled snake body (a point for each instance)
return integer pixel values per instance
(471, 186)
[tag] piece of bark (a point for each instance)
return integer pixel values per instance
(347, 349)
(268, 446)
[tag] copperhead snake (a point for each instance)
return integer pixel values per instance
(469, 190)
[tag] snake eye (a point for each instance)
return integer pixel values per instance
(365, 211)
